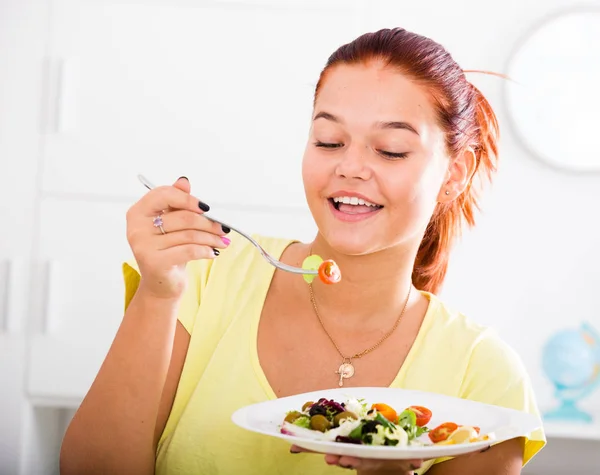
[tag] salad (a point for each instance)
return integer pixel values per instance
(329, 272)
(354, 422)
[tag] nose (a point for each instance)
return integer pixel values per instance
(353, 164)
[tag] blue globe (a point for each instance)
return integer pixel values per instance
(571, 360)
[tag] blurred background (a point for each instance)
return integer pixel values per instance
(94, 92)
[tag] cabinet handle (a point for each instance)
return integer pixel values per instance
(5, 274)
(60, 94)
(51, 274)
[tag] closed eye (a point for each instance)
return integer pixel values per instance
(393, 155)
(328, 145)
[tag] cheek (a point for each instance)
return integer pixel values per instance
(315, 174)
(413, 188)
(414, 193)
(312, 173)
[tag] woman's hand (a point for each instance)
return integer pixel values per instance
(186, 235)
(369, 466)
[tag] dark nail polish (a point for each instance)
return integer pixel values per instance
(292, 451)
(203, 206)
(226, 230)
(184, 177)
(216, 252)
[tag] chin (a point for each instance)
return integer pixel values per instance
(352, 244)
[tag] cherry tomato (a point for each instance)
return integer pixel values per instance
(329, 272)
(386, 411)
(442, 432)
(423, 415)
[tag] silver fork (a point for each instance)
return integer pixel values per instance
(268, 257)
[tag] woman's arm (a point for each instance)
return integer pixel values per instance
(117, 426)
(502, 459)
(119, 422)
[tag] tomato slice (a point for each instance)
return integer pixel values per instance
(386, 411)
(329, 272)
(442, 432)
(423, 415)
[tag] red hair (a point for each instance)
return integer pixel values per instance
(464, 115)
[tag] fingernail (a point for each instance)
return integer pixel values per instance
(184, 177)
(226, 230)
(292, 451)
(203, 206)
(216, 252)
(225, 240)
(346, 466)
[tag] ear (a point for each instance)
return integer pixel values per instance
(458, 177)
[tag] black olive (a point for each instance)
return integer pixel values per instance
(317, 409)
(347, 440)
(370, 427)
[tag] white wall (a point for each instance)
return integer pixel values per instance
(92, 93)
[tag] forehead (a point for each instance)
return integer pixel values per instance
(367, 93)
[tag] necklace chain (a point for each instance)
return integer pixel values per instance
(371, 348)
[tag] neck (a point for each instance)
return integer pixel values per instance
(373, 286)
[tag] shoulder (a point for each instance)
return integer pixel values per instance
(446, 327)
(493, 370)
(488, 370)
(216, 278)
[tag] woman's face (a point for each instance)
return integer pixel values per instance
(375, 164)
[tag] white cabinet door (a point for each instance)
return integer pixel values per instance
(218, 91)
(23, 33)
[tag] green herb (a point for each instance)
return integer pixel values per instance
(357, 432)
(408, 421)
(384, 422)
(302, 421)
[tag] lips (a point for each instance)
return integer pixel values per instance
(352, 208)
(352, 204)
(354, 201)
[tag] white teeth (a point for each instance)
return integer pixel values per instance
(353, 200)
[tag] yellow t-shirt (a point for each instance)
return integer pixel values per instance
(221, 310)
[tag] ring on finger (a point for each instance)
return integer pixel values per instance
(158, 222)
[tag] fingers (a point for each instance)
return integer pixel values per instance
(366, 465)
(180, 220)
(170, 197)
(294, 449)
(183, 184)
(194, 237)
(181, 255)
(372, 464)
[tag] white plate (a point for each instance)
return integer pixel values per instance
(267, 417)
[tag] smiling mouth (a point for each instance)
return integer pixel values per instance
(353, 205)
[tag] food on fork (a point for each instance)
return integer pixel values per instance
(329, 272)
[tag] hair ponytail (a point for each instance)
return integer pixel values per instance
(431, 263)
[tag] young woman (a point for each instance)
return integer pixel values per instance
(398, 140)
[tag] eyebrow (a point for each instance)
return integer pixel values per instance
(398, 125)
